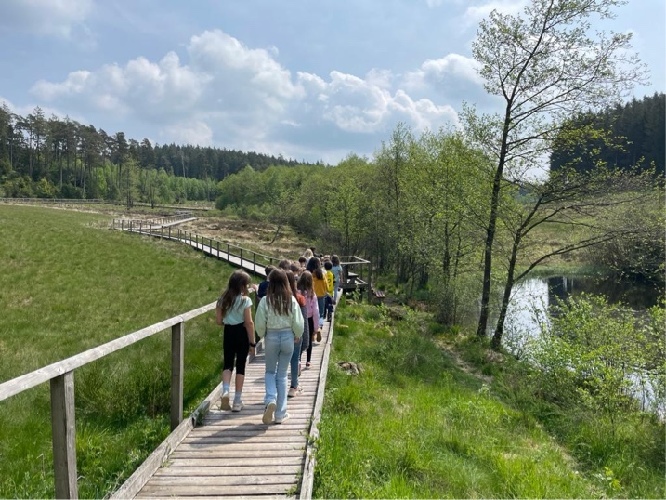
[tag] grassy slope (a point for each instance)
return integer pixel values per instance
(415, 424)
(68, 285)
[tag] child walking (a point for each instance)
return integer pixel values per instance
(338, 276)
(328, 300)
(234, 310)
(296, 356)
(320, 284)
(312, 311)
(279, 319)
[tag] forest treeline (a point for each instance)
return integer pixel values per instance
(637, 132)
(49, 157)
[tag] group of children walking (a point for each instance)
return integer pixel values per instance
(292, 305)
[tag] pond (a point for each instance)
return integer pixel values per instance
(533, 297)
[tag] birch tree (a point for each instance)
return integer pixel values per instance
(545, 65)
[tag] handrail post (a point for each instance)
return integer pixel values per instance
(64, 437)
(177, 369)
(218, 249)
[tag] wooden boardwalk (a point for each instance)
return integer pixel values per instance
(236, 455)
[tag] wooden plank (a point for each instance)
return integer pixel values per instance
(247, 446)
(204, 441)
(162, 491)
(217, 461)
(220, 470)
(208, 432)
(235, 480)
(225, 452)
(64, 436)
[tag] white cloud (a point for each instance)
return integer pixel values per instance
(473, 14)
(44, 17)
(449, 75)
(191, 132)
(228, 94)
(452, 65)
(141, 86)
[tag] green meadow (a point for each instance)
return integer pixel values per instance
(68, 283)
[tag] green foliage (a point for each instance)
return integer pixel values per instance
(591, 354)
(578, 383)
(639, 249)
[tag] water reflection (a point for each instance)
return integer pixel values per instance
(533, 298)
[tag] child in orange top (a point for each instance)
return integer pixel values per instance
(320, 285)
(328, 302)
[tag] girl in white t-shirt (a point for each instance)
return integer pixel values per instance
(280, 321)
(234, 310)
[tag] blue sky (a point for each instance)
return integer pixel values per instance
(311, 80)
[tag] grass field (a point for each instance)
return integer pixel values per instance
(69, 284)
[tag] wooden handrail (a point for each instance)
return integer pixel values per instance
(61, 377)
(145, 227)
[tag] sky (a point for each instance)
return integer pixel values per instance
(308, 80)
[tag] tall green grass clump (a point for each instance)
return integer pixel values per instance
(414, 424)
(67, 285)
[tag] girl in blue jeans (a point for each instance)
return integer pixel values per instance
(280, 321)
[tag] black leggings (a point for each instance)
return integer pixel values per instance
(312, 331)
(236, 345)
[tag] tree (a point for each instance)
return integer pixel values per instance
(129, 185)
(546, 66)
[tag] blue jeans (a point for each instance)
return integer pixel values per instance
(279, 345)
(321, 302)
(295, 359)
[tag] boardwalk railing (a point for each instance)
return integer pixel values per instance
(57, 201)
(61, 377)
(255, 261)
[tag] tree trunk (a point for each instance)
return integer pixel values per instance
(496, 341)
(492, 222)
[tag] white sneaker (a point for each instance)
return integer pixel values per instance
(292, 392)
(269, 411)
(238, 406)
(224, 402)
(279, 420)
